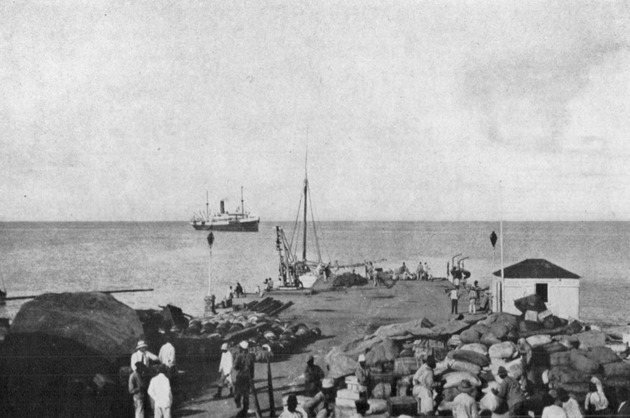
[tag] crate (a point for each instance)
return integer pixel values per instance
(403, 405)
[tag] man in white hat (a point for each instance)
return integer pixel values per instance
(244, 377)
(142, 355)
(225, 370)
(464, 405)
(363, 374)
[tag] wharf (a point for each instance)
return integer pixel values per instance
(342, 315)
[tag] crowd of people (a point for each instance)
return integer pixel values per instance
(152, 385)
(478, 298)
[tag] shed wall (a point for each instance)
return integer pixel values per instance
(563, 295)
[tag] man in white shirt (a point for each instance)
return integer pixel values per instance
(160, 393)
(225, 370)
(167, 356)
(554, 410)
(142, 355)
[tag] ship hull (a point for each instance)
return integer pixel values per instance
(229, 227)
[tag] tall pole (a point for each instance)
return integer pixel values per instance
(501, 238)
(305, 213)
(207, 206)
(210, 298)
(242, 203)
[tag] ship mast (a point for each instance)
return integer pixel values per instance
(242, 203)
(305, 206)
(207, 206)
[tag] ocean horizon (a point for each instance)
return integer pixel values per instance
(173, 258)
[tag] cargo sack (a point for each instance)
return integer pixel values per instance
(617, 369)
(377, 406)
(529, 327)
(513, 367)
(530, 303)
(480, 328)
(489, 402)
(560, 359)
(566, 374)
(382, 391)
(553, 347)
(590, 339)
(552, 322)
(453, 379)
(504, 350)
(464, 366)
(473, 357)
(538, 340)
(476, 347)
(469, 336)
(602, 355)
(578, 390)
(339, 364)
(582, 363)
(617, 381)
(489, 339)
(385, 352)
(500, 330)
(404, 366)
(569, 341)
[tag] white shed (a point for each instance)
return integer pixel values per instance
(558, 288)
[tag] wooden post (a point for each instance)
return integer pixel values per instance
(272, 402)
(258, 410)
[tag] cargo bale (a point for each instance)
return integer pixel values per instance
(473, 357)
(464, 366)
(476, 347)
(617, 369)
(580, 362)
(602, 355)
(469, 336)
(504, 350)
(562, 358)
(489, 339)
(539, 340)
(590, 339)
(564, 374)
(453, 379)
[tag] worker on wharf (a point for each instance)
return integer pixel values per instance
(510, 395)
(138, 388)
(225, 371)
(313, 375)
(423, 384)
(464, 405)
(453, 295)
(322, 404)
(244, 377)
(364, 375)
(292, 411)
(161, 395)
(166, 356)
(142, 355)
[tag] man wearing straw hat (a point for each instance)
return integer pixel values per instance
(142, 355)
(225, 369)
(244, 377)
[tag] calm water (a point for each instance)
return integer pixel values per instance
(173, 258)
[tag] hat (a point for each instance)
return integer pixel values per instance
(361, 357)
(465, 386)
(502, 371)
(327, 383)
(224, 347)
(244, 345)
(141, 344)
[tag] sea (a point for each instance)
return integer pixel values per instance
(176, 261)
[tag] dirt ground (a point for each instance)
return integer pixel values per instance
(342, 315)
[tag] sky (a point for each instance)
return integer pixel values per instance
(409, 110)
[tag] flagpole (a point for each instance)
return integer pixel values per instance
(210, 298)
(501, 243)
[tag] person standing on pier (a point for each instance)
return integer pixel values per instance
(364, 375)
(161, 395)
(167, 356)
(454, 296)
(244, 378)
(138, 388)
(225, 370)
(142, 355)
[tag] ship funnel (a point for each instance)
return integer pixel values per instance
(222, 207)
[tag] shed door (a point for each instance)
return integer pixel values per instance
(542, 290)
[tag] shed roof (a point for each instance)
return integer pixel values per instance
(536, 268)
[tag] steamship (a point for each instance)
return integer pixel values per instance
(238, 221)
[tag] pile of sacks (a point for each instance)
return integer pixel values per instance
(349, 280)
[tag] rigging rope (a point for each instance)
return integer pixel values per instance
(319, 254)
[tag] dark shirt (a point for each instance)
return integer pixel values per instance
(313, 376)
(244, 368)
